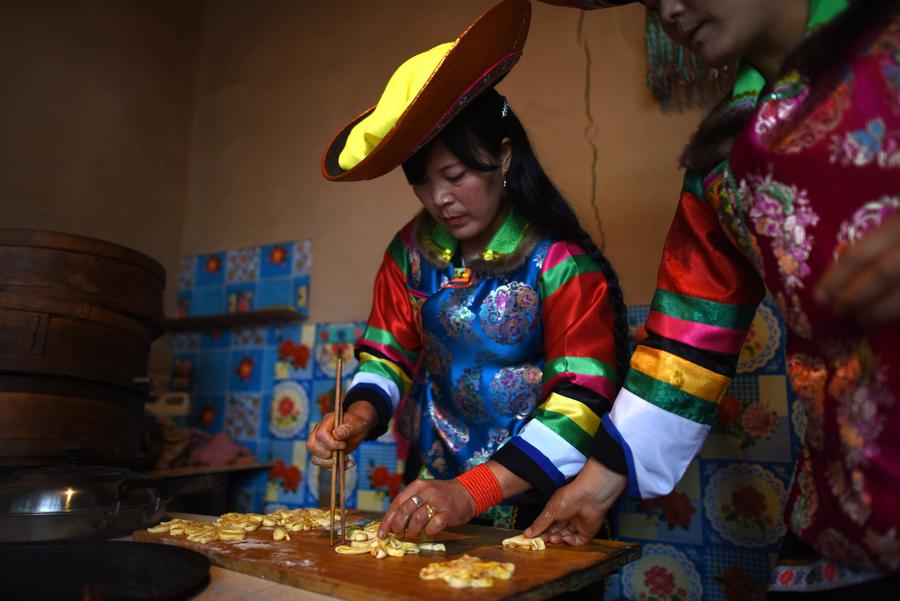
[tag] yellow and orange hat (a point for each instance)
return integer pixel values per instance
(426, 92)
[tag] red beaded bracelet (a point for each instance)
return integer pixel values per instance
(482, 484)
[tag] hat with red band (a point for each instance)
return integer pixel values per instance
(426, 92)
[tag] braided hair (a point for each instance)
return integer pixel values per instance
(475, 137)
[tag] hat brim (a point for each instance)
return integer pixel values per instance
(589, 4)
(482, 56)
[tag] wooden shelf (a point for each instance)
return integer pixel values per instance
(205, 470)
(259, 317)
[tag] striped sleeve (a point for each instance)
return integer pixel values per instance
(706, 297)
(389, 347)
(579, 374)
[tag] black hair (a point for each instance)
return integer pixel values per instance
(475, 137)
(821, 60)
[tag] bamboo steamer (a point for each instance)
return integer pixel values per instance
(77, 317)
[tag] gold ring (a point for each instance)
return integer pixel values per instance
(417, 500)
(432, 511)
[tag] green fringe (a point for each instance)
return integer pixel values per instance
(677, 79)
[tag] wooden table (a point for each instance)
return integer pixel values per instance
(309, 563)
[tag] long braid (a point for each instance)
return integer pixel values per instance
(617, 299)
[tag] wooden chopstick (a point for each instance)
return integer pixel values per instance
(337, 463)
(341, 455)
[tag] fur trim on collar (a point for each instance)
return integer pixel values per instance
(422, 226)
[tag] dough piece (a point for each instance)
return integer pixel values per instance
(520, 541)
(234, 526)
(365, 540)
(432, 547)
(468, 572)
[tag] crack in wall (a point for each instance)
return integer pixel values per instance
(589, 129)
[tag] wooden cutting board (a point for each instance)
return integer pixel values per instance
(307, 561)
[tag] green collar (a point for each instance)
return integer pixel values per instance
(750, 82)
(505, 241)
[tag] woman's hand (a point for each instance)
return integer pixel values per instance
(576, 511)
(359, 419)
(864, 282)
(408, 516)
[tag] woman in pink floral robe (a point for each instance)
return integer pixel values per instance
(808, 180)
(813, 179)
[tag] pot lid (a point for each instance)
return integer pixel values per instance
(67, 489)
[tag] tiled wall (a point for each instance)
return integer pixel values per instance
(713, 538)
(268, 386)
(244, 279)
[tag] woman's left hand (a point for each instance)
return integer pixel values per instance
(447, 501)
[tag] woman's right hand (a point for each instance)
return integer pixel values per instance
(359, 419)
(576, 511)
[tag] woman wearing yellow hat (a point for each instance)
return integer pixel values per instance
(495, 317)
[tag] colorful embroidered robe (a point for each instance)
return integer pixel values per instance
(514, 351)
(779, 214)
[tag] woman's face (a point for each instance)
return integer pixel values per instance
(718, 31)
(468, 202)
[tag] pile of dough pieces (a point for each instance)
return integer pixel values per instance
(235, 526)
(365, 540)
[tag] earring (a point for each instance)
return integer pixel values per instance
(504, 183)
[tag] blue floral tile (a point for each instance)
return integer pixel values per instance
(208, 412)
(276, 260)
(287, 410)
(243, 414)
(267, 373)
(335, 340)
(242, 265)
(744, 503)
(280, 333)
(322, 398)
(380, 476)
(676, 517)
(240, 298)
(281, 449)
(207, 300)
(731, 573)
(246, 370)
(302, 257)
(275, 292)
(664, 572)
(301, 294)
(210, 269)
(249, 338)
(187, 272)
